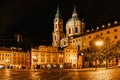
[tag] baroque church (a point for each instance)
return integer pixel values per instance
(77, 36)
(74, 27)
(74, 40)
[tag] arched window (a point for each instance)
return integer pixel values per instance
(55, 26)
(64, 42)
(76, 30)
(60, 26)
(55, 37)
(69, 31)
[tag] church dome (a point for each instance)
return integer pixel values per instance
(73, 25)
(74, 17)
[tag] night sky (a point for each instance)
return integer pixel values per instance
(34, 18)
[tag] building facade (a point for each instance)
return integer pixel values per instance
(11, 59)
(70, 57)
(79, 38)
(52, 57)
(46, 57)
(74, 27)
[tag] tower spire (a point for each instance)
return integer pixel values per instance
(58, 12)
(74, 12)
(74, 9)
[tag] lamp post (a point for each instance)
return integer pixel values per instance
(98, 43)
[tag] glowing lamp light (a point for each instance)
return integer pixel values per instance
(99, 43)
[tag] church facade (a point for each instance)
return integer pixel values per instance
(66, 48)
(77, 36)
(74, 27)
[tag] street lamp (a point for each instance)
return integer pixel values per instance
(98, 43)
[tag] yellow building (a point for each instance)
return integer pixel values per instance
(21, 60)
(70, 57)
(75, 32)
(14, 59)
(46, 57)
(76, 35)
(110, 31)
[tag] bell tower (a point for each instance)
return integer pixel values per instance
(58, 32)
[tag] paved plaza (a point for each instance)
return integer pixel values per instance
(65, 74)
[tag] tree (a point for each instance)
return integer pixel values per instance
(116, 51)
(107, 52)
(94, 53)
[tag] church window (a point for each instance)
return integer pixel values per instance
(55, 37)
(69, 31)
(76, 29)
(60, 37)
(60, 26)
(56, 20)
(56, 26)
(60, 20)
(64, 43)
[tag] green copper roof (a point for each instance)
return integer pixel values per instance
(58, 12)
(74, 16)
(74, 12)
